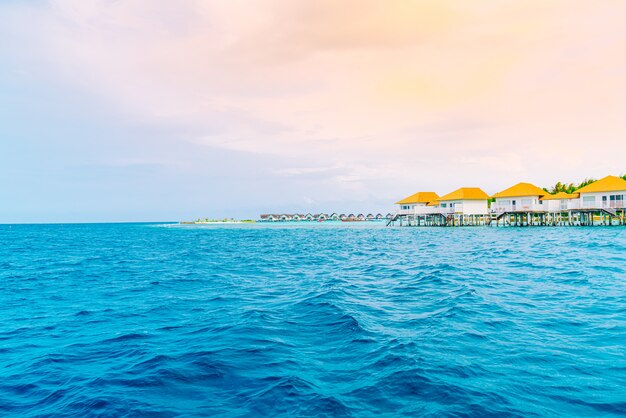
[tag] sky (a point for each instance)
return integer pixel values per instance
(154, 110)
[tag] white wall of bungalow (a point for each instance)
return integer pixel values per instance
(411, 206)
(602, 200)
(465, 207)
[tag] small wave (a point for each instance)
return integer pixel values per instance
(125, 338)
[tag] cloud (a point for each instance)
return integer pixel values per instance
(379, 98)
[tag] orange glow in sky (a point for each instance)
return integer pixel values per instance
(375, 99)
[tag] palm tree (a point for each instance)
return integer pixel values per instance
(585, 182)
(568, 187)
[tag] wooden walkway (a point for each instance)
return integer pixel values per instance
(570, 217)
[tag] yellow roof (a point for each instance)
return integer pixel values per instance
(607, 184)
(521, 189)
(433, 203)
(419, 197)
(561, 196)
(466, 193)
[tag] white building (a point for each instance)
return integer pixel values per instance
(416, 202)
(523, 197)
(464, 201)
(560, 202)
(608, 192)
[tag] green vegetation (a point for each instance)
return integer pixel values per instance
(569, 187)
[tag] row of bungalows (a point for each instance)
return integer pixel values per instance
(601, 202)
(321, 217)
(464, 206)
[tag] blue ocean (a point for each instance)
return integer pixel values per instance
(311, 320)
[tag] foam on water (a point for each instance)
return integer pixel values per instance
(323, 320)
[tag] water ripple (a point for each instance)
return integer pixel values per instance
(311, 320)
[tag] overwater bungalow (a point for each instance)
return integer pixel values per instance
(360, 217)
(308, 217)
(418, 200)
(606, 193)
(343, 217)
(379, 216)
(520, 204)
(351, 217)
(465, 201)
(560, 201)
(334, 217)
(370, 217)
(285, 217)
(522, 197)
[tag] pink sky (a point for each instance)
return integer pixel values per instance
(376, 99)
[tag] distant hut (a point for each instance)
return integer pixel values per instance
(296, 217)
(369, 217)
(334, 217)
(322, 217)
(351, 217)
(264, 217)
(285, 217)
(308, 217)
(388, 216)
(360, 217)
(343, 217)
(379, 216)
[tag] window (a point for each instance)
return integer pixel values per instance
(589, 201)
(617, 200)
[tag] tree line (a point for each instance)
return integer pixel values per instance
(570, 187)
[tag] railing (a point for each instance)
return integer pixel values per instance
(569, 204)
(420, 210)
(611, 204)
(576, 204)
(532, 207)
(431, 210)
(617, 204)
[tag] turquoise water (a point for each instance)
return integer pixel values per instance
(311, 320)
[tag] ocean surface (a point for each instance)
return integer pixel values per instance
(311, 320)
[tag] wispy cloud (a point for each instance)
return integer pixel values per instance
(397, 97)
